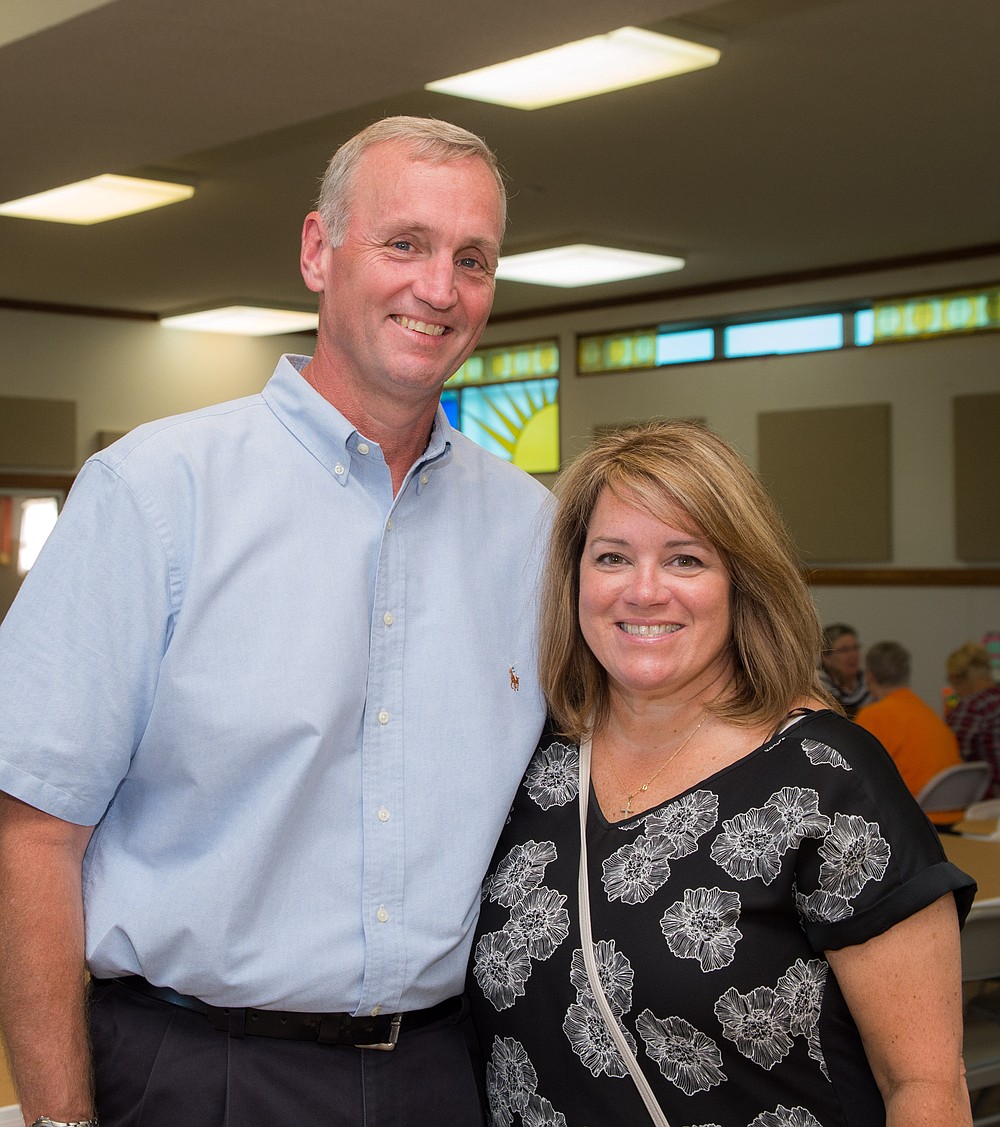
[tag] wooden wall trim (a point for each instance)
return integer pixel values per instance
(903, 577)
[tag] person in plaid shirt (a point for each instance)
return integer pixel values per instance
(975, 720)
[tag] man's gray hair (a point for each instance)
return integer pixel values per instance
(889, 664)
(427, 139)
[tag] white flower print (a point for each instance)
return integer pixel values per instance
(522, 870)
(511, 1078)
(757, 1023)
(823, 753)
(539, 921)
(853, 853)
(801, 987)
(552, 778)
(502, 967)
(786, 1117)
(747, 847)
(684, 821)
(614, 972)
(688, 1058)
(591, 1041)
(702, 926)
(635, 871)
(540, 1113)
(798, 809)
(816, 1051)
(824, 906)
(501, 1113)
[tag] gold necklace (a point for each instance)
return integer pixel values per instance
(627, 809)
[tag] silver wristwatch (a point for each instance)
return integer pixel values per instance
(45, 1121)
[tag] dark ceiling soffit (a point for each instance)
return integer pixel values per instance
(75, 310)
(959, 254)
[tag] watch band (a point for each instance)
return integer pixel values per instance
(45, 1121)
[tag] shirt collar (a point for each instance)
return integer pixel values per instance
(324, 431)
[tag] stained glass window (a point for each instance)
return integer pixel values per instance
(507, 400)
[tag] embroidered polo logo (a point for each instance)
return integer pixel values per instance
(515, 681)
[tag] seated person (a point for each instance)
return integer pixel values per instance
(919, 741)
(840, 668)
(975, 720)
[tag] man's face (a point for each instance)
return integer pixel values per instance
(406, 296)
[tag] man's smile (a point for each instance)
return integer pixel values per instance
(420, 326)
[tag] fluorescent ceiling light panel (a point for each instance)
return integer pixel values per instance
(629, 56)
(583, 265)
(244, 320)
(98, 199)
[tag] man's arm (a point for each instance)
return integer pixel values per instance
(42, 981)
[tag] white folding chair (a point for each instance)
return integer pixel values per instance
(983, 811)
(955, 788)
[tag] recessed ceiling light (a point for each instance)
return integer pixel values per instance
(629, 56)
(583, 265)
(98, 199)
(244, 320)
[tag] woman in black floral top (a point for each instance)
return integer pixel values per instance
(774, 923)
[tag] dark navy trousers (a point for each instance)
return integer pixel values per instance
(161, 1065)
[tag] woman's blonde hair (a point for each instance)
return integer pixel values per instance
(660, 468)
(970, 658)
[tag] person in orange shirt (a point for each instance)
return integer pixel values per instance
(919, 741)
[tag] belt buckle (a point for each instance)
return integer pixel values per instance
(388, 1046)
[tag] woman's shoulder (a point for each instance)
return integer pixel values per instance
(821, 730)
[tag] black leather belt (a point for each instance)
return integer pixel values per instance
(380, 1032)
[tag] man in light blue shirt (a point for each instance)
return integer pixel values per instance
(266, 697)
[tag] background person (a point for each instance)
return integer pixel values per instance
(975, 719)
(774, 919)
(840, 668)
(919, 741)
(268, 653)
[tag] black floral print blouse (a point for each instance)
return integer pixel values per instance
(710, 916)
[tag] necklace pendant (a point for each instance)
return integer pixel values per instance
(627, 809)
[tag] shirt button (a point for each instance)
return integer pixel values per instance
(387, 618)
(383, 815)
(382, 915)
(376, 1010)
(338, 469)
(363, 447)
(424, 479)
(383, 717)
(388, 523)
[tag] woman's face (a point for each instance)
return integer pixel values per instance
(654, 603)
(843, 660)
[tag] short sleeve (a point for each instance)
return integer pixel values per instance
(879, 860)
(80, 651)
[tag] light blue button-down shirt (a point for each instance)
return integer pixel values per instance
(286, 696)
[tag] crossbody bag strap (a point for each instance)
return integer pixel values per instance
(586, 939)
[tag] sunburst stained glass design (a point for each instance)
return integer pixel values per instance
(506, 398)
(516, 421)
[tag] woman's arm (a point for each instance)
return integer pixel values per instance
(904, 991)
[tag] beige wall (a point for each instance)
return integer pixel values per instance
(122, 373)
